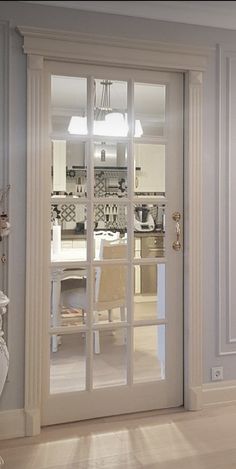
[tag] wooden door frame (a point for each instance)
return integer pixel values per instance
(41, 45)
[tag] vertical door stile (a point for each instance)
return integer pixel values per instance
(47, 319)
(90, 276)
(130, 233)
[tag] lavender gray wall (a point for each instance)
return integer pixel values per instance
(15, 13)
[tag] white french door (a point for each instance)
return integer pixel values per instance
(114, 324)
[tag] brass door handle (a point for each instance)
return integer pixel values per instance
(176, 244)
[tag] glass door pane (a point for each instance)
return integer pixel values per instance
(149, 107)
(111, 317)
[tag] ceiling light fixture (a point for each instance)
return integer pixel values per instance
(107, 121)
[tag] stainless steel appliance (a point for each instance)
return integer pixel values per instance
(143, 220)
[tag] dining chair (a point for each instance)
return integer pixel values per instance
(65, 279)
(109, 286)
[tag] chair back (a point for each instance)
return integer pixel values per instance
(111, 280)
(101, 235)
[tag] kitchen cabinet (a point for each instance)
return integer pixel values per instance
(151, 247)
(59, 165)
(151, 161)
(145, 276)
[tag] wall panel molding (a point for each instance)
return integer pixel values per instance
(226, 63)
(4, 134)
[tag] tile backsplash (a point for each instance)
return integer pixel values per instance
(111, 216)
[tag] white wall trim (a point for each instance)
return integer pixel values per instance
(226, 339)
(193, 241)
(36, 264)
(12, 424)
(4, 91)
(80, 47)
(219, 393)
(54, 45)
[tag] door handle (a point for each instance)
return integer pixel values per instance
(176, 244)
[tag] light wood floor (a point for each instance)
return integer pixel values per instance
(176, 440)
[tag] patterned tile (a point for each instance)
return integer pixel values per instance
(68, 212)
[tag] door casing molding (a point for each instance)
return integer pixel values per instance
(41, 45)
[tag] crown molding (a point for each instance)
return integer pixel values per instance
(86, 47)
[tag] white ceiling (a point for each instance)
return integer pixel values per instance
(220, 14)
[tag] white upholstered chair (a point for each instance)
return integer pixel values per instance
(109, 287)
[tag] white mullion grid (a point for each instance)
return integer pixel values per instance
(150, 260)
(111, 326)
(98, 263)
(157, 200)
(130, 233)
(151, 322)
(111, 200)
(68, 137)
(48, 118)
(90, 184)
(151, 139)
(108, 138)
(69, 264)
(66, 330)
(69, 199)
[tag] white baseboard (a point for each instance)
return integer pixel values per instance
(12, 424)
(217, 393)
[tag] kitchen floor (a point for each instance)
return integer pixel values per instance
(68, 364)
(165, 440)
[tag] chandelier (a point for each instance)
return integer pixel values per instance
(107, 121)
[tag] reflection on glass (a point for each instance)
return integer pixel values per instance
(110, 292)
(69, 171)
(149, 292)
(110, 108)
(69, 105)
(150, 169)
(67, 364)
(68, 231)
(73, 301)
(110, 224)
(149, 353)
(149, 107)
(109, 366)
(110, 164)
(149, 219)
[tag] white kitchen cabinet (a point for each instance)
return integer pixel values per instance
(75, 154)
(59, 165)
(66, 244)
(79, 243)
(151, 161)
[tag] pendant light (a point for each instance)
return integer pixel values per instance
(107, 121)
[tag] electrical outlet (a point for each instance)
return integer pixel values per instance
(217, 373)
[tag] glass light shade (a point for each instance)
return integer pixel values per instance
(138, 132)
(114, 125)
(78, 125)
